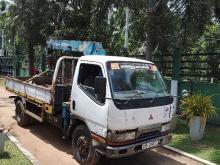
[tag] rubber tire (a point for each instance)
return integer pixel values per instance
(93, 156)
(22, 118)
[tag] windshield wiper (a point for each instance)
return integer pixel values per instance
(157, 92)
(137, 94)
(141, 93)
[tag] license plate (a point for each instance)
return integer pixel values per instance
(150, 144)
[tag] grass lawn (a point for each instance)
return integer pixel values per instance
(12, 156)
(208, 148)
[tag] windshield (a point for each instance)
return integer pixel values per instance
(128, 78)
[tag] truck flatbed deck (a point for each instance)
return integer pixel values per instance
(28, 90)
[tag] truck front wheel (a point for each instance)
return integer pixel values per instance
(22, 118)
(83, 151)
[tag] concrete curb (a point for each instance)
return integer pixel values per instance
(189, 155)
(26, 153)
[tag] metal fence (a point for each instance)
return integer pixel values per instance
(203, 67)
(7, 65)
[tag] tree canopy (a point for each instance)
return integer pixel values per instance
(155, 26)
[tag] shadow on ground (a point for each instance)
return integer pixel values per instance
(52, 135)
(5, 155)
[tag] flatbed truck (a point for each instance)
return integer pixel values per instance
(107, 105)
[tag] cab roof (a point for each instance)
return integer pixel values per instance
(104, 59)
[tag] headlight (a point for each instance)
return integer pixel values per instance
(165, 127)
(121, 136)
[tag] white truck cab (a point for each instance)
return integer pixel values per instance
(123, 102)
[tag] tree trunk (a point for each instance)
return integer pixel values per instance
(147, 51)
(31, 57)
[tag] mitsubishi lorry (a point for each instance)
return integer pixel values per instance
(107, 105)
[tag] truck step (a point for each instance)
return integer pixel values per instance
(38, 118)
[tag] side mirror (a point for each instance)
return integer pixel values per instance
(100, 86)
(184, 93)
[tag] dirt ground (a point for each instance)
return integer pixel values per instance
(45, 143)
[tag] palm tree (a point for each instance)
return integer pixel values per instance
(193, 17)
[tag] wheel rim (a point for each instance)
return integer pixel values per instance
(83, 147)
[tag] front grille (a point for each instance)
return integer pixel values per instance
(149, 135)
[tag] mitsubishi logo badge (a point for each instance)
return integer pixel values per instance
(151, 117)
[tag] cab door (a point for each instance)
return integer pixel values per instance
(83, 98)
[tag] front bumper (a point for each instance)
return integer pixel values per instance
(116, 152)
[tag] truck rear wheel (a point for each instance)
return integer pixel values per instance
(83, 151)
(22, 118)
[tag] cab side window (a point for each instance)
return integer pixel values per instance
(86, 79)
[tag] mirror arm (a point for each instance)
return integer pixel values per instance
(177, 96)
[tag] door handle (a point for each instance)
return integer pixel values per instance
(73, 105)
